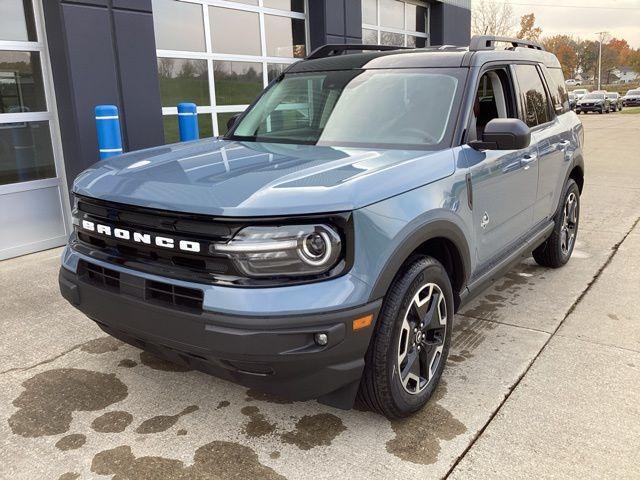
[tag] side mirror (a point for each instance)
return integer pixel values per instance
(503, 134)
(232, 121)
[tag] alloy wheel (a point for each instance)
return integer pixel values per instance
(569, 223)
(422, 337)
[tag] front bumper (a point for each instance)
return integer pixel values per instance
(631, 103)
(276, 354)
(592, 108)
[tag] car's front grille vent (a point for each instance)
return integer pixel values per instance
(174, 295)
(165, 294)
(101, 277)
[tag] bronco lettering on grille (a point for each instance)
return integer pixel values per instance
(140, 237)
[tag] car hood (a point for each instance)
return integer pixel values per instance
(228, 178)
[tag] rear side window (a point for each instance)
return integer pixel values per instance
(534, 96)
(558, 90)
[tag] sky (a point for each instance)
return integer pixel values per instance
(582, 18)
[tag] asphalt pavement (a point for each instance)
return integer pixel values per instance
(543, 380)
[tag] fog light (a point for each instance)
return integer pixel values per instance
(321, 339)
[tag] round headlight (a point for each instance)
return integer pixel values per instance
(316, 248)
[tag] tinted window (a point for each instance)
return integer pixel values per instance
(16, 21)
(178, 25)
(21, 87)
(559, 96)
(237, 83)
(534, 96)
(285, 37)
(25, 152)
(183, 80)
(234, 31)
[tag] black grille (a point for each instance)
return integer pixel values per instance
(202, 267)
(161, 293)
(100, 276)
(174, 295)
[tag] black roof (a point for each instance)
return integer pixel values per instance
(482, 50)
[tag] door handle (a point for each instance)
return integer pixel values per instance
(527, 160)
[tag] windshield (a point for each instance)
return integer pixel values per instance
(633, 92)
(612, 95)
(594, 96)
(367, 108)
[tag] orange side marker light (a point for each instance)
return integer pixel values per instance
(362, 322)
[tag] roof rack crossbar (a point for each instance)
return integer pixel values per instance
(338, 49)
(487, 42)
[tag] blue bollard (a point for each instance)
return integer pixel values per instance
(188, 122)
(108, 128)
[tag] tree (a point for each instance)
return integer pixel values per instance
(621, 50)
(528, 30)
(588, 57)
(565, 48)
(492, 18)
(165, 67)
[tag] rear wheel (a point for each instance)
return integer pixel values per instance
(408, 352)
(557, 249)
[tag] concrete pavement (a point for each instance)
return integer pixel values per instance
(542, 381)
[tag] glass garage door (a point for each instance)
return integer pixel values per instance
(220, 54)
(395, 22)
(33, 196)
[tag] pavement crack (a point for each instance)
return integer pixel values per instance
(596, 276)
(43, 362)
(500, 322)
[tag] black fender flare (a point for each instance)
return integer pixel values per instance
(414, 234)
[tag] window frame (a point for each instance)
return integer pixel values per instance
(378, 28)
(210, 56)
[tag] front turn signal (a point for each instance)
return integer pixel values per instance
(362, 322)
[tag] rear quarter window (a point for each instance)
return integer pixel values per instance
(558, 90)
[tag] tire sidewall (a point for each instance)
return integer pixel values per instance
(432, 272)
(570, 187)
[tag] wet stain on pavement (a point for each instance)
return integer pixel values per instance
(274, 455)
(181, 432)
(461, 356)
(49, 398)
(266, 397)
(257, 426)
(161, 423)
(613, 316)
(418, 437)
(314, 431)
(127, 363)
(71, 442)
(157, 363)
(69, 476)
(215, 460)
(101, 345)
(468, 338)
(223, 404)
(112, 422)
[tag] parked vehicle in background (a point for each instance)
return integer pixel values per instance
(580, 92)
(572, 82)
(572, 100)
(322, 254)
(632, 98)
(593, 102)
(615, 99)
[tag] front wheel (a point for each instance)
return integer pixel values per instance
(557, 249)
(408, 352)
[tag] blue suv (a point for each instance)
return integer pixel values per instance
(321, 247)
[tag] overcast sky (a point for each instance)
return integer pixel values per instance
(583, 18)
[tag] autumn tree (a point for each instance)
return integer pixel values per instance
(566, 49)
(492, 18)
(528, 30)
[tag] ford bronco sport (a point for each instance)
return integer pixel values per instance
(321, 248)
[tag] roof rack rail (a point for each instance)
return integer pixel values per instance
(339, 49)
(487, 42)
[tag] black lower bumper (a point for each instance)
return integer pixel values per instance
(277, 355)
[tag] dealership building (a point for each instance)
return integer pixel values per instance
(61, 58)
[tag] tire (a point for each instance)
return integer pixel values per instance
(557, 249)
(422, 287)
